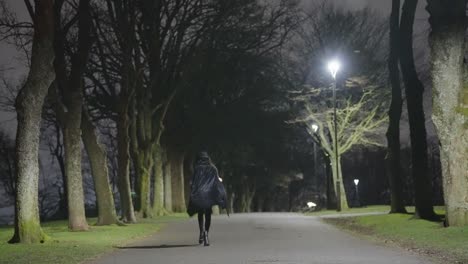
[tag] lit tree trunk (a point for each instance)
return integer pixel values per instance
(344, 201)
(394, 114)
(414, 97)
(158, 200)
(29, 109)
(176, 159)
(123, 142)
(450, 101)
(72, 143)
(167, 182)
(98, 159)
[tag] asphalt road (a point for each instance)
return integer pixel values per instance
(258, 239)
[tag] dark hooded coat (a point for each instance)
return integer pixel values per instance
(206, 188)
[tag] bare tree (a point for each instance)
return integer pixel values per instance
(68, 94)
(357, 39)
(358, 123)
(450, 98)
(29, 108)
(394, 114)
(414, 89)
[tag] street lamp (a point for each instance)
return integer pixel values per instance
(356, 182)
(315, 127)
(334, 66)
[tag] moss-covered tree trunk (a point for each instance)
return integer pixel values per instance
(99, 169)
(167, 171)
(144, 167)
(29, 109)
(123, 145)
(158, 199)
(176, 159)
(450, 103)
(414, 97)
(394, 115)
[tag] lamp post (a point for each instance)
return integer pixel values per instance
(334, 67)
(356, 182)
(315, 129)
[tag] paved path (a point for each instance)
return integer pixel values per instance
(259, 239)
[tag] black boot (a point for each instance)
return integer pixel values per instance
(205, 238)
(201, 238)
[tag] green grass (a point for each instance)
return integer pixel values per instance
(74, 247)
(366, 209)
(447, 244)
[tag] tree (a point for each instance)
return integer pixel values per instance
(115, 71)
(29, 104)
(357, 39)
(69, 101)
(450, 99)
(98, 159)
(414, 96)
(357, 124)
(394, 114)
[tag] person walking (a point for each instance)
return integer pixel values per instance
(207, 190)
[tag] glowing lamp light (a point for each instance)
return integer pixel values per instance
(315, 128)
(334, 66)
(356, 181)
(311, 204)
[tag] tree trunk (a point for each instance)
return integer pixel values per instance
(158, 199)
(331, 196)
(29, 110)
(144, 166)
(343, 198)
(98, 160)
(414, 96)
(176, 159)
(450, 103)
(231, 199)
(123, 144)
(394, 115)
(72, 143)
(167, 183)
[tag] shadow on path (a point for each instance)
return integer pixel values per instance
(160, 246)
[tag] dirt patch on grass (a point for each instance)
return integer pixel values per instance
(351, 225)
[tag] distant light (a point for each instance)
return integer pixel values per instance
(311, 204)
(334, 67)
(356, 181)
(315, 128)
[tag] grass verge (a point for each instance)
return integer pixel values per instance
(359, 210)
(67, 247)
(447, 245)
